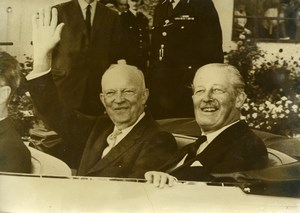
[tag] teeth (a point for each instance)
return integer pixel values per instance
(209, 109)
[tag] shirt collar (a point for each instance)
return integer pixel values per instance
(128, 129)
(134, 12)
(213, 135)
(83, 4)
(2, 118)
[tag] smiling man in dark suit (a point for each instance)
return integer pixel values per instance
(227, 144)
(127, 142)
(90, 42)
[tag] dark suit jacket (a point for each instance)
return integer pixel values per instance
(237, 148)
(14, 155)
(188, 39)
(145, 148)
(137, 40)
(78, 63)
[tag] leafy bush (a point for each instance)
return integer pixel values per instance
(273, 88)
(20, 108)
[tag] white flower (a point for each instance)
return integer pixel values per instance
(243, 117)
(242, 37)
(287, 111)
(254, 115)
(294, 108)
(246, 107)
(283, 98)
(281, 116)
(289, 102)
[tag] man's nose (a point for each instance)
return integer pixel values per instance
(119, 97)
(208, 95)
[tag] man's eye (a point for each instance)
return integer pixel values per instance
(199, 91)
(218, 90)
(110, 93)
(129, 92)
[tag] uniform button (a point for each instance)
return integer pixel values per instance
(130, 27)
(182, 27)
(189, 67)
(141, 41)
(164, 34)
(140, 35)
(140, 29)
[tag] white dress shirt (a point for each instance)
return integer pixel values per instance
(210, 138)
(122, 135)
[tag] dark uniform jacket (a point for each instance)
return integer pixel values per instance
(237, 148)
(79, 62)
(136, 39)
(14, 155)
(182, 42)
(145, 148)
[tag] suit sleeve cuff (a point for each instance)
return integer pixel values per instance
(34, 75)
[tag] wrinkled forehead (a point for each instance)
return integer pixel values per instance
(120, 78)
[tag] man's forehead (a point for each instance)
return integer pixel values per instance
(120, 79)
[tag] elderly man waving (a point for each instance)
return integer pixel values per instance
(127, 142)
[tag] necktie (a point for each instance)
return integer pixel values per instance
(170, 8)
(192, 152)
(88, 20)
(111, 140)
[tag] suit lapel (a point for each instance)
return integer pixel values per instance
(126, 143)
(215, 150)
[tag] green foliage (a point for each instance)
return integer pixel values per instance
(20, 107)
(273, 88)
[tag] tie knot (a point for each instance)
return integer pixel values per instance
(112, 138)
(201, 139)
(115, 134)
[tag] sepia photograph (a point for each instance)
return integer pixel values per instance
(150, 106)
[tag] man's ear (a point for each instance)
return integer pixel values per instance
(240, 99)
(102, 99)
(145, 95)
(4, 94)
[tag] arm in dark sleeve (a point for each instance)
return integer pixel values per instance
(212, 32)
(66, 122)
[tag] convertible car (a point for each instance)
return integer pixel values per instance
(52, 188)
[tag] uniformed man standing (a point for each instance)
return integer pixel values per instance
(136, 36)
(186, 34)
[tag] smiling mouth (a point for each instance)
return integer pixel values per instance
(120, 108)
(209, 109)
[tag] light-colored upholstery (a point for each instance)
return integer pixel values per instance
(45, 164)
(276, 158)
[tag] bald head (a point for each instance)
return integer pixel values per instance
(121, 72)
